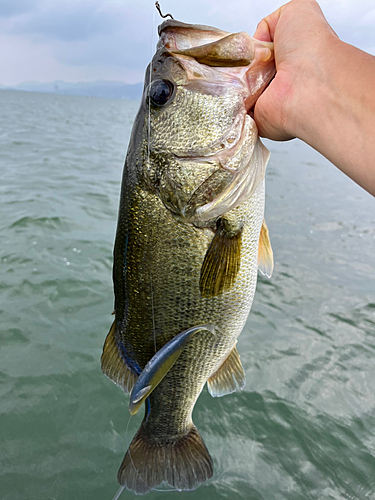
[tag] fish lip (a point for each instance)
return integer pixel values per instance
(173, 23)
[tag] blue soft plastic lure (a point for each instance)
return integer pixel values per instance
(160, 364)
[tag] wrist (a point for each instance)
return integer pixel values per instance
(334, 109)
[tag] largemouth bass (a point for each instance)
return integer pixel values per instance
(189, 241)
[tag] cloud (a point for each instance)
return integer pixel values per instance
(106, 39)
(9, 8)
(77, 20)
(103, 37)
(368, 19)
(44, 63)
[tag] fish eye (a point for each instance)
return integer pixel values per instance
(160, 91)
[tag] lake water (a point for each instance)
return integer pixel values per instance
(303, 428)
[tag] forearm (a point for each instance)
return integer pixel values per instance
(333, 110)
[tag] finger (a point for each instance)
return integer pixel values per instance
(269, 118)
(266, 28)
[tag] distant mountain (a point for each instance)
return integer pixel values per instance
(100, 88)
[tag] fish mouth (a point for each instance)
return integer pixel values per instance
(176, 35)
(237, 56)
(212, 46)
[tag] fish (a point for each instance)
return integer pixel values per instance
(190, 239)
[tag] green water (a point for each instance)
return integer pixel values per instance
(303, 428)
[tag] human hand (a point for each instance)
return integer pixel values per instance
(301, 35)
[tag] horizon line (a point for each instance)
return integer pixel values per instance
(67, 81)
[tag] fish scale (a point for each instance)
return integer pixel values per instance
(201, 112)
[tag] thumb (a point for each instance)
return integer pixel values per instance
(268, 116)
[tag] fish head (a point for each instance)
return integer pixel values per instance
(198, 133)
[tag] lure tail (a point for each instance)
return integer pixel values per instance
(183, 463)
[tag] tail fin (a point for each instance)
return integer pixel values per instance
(183, 463)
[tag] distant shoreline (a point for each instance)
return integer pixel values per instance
(100, 89)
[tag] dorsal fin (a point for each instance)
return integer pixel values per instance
(265, 254)
(114, 366)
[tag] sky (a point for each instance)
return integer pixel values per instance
(88, 40)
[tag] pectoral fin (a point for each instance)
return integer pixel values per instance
(221, 263)
(114, 366)
(159, 365)
(265, 254)
(229, 377)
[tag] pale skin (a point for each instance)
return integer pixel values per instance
(323, 92)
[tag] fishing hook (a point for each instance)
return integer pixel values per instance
(157, 5)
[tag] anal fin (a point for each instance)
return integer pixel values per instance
(114, 366)
(222, 262)
(265, 254)
(229, 377)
